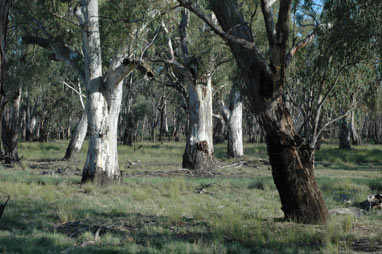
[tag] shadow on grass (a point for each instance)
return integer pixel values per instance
(356, 155)
(138, 233)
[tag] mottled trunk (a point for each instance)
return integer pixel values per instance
(10, 129)
(101, 164)
(78, 138)
(235, 132)
(290, 158)
(199, 150)
(345, 135)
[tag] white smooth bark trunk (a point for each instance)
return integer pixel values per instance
(78, 137)
(235, 130)
(199, 150)
(233, 116)
(101, 164)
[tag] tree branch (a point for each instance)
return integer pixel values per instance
(121, 71)
(302, 43)
(260, 60)
(183, 36)
(266, 8)
(61, 53)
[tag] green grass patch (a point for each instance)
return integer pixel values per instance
(239, 212)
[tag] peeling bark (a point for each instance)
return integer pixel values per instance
(290, 157)
(233, 116)
(199, 150)
(104, 99)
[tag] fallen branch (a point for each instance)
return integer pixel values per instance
(240, 164)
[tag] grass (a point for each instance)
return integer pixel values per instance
(50, 212)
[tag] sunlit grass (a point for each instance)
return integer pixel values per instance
(236, 214)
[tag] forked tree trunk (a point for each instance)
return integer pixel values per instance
(78, 138)
(104, 99)
(199, 150)
(101, 164)
(291, 159)
(10, 129)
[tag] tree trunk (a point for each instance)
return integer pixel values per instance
(290, 158)
(235, 131)
(376, 126)
(101, 164)
(354, 133)
(345, 135)
(30, 127)
(199, 150)
(219, 132)
(4, 8)
(78, 138)
(10, 129)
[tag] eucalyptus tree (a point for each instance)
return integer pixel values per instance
(290, 157)
(104, 94)
(52, 27)
(188, 65)
(103, 90)
(233, 116)
(329, 78)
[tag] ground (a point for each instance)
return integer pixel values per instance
(161, 208)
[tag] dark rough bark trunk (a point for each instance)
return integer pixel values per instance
(345, 135)
(376, 129)
(219, 130)
(198, 157)
(10, 129)
(4, 8)
(291, 159)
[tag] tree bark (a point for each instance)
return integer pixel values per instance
(101, 164)
(345, 135)
(290, 157)
(10, 129)
(233, 116)
(78, 138)
(4, 8)
(354, 133)
(219, 130)
(199, 150)
(104, 99)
